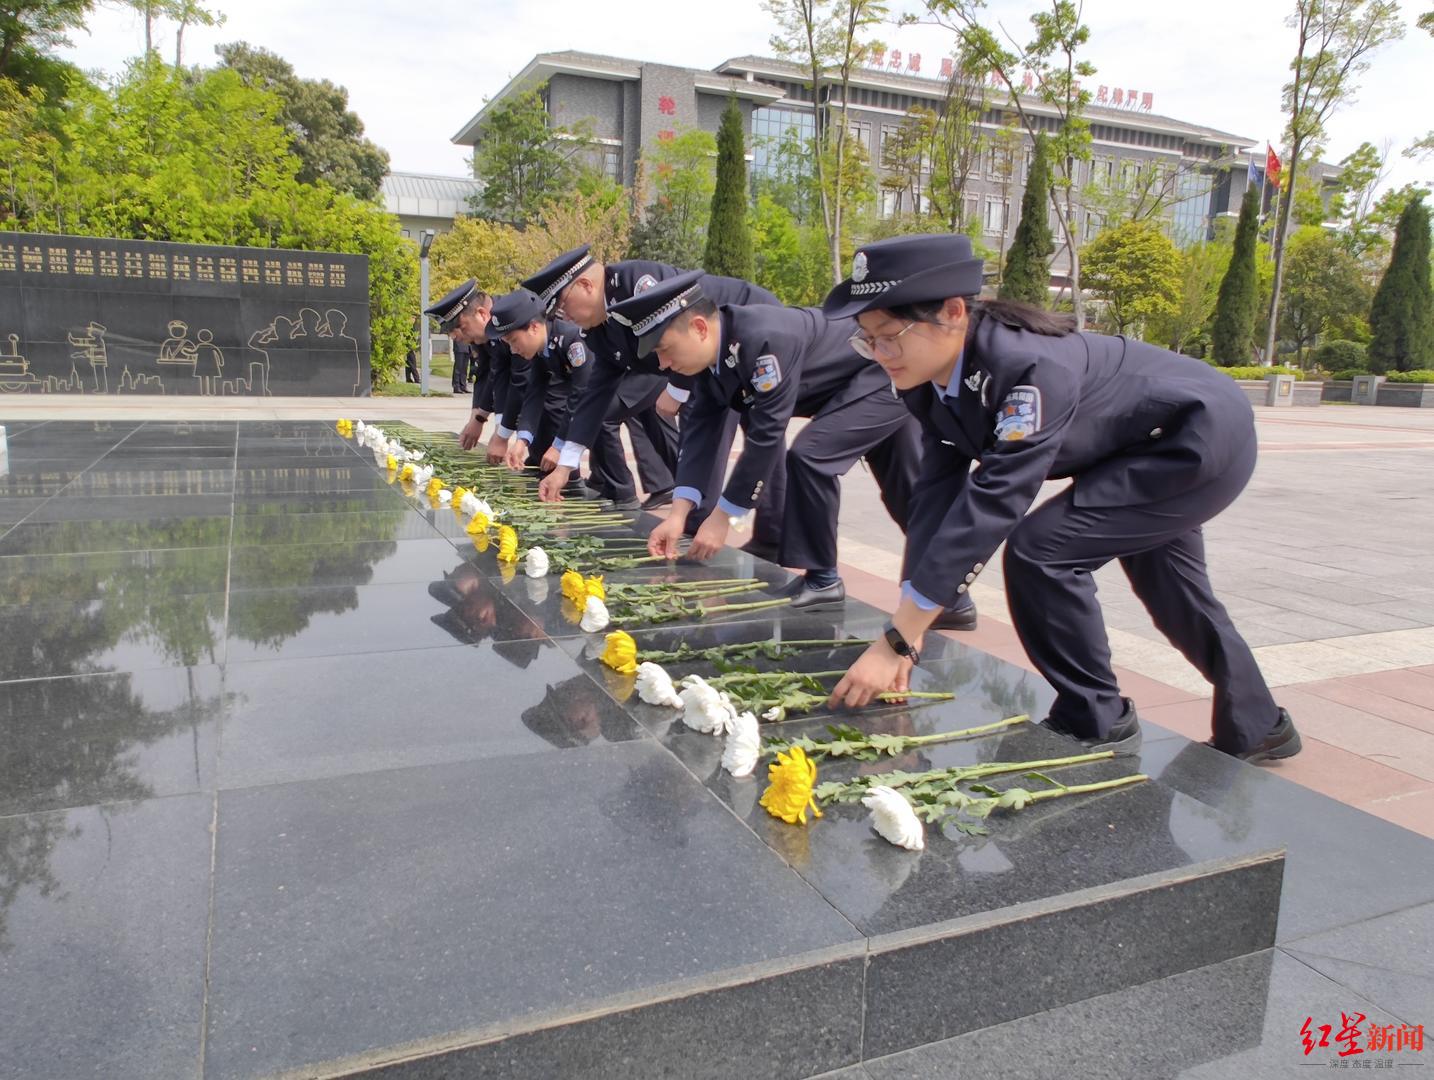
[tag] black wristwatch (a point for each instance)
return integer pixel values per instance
(899, 644)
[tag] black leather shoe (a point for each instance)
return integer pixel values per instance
(626, 504)
(810, 599)
(658, 499)
(760, 550)
(587, 491)
(1282, 742)
(1124, 738)
(956, 618)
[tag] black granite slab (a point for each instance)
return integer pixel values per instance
(108, 738)
(402, 709)
(1238, 1018)
(281, 624)
(356, 562)
(63, 580)
(141, 509)
(1385, 959)
(384, 523)
(1343, 865)
(121, 634)
(104, 913)
(413, 904)
(149, 533)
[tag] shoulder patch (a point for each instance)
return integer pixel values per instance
(643, 283)
(1019, 415)
(577, 354)
(767, 374)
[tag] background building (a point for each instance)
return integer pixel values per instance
(424, 201)
(1198, 174)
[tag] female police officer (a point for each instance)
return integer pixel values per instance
(1156, 444)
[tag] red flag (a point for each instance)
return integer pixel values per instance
(1272, 165)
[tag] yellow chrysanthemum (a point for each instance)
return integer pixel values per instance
(407, 473)
(507, 571)
(458, 494)
(480, 542)
(620, 652)
(573, 587)
(507, 544)
(593, 587)
(792, 776)
(392, 463)
(479, 524)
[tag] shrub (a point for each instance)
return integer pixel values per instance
(1347, 375)
(1340, 356)
(1418, 375)
(1256, 372)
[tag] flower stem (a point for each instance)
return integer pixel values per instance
(725, 609)
(902, 695)
(1079, 789)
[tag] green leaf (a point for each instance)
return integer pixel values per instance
(1014, 799)
(1042, 776)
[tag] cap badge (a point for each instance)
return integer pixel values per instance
(858, 267)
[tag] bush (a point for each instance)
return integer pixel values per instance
(1347, 375)
(1418, 375)
(1261, 373)
(1340, 356)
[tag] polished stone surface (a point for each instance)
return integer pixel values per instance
(413, 903)
(1239, 1018)
(269, 721)
(104, 912)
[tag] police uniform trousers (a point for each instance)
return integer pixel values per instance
(767, 515)
(877, 427)
(654, 440)
(1049, 560)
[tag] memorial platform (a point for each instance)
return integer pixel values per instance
(296, 782)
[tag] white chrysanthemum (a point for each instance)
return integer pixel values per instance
(595, 616)
(744, 745)
(480, 506)
(536, 564)
(655, 687)
(468, 503)
(704, 709)
(422, 475)
(445, 497)
(775, 714)
(893, 818)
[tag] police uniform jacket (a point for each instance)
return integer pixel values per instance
(773, 363)
(555, 379)
(614, 348)
(1131, 424)
(493, 374)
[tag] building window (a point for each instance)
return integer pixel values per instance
(769, 127)
(1102, 171)
(860, 130)
(972, 208)
(610, 160)
(996, 216)
(1129, 173)
(890, 200)
(1094, 225)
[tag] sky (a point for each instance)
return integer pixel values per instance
(417, 73)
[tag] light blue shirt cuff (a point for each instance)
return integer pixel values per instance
(558, 445)
(677, 393)
(526, 436)
(571, 455)
(908, 593)
(503, 432)
(731, 509)
(691, 494)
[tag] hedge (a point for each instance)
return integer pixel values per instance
(1261, 373)
(1419, 375)
(1340, 356)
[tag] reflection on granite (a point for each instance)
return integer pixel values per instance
(108, 738)
(62, 580)
(357, 562)
(103, 919)
(1342, 864)
(123, 535)
(388, 523)
(1239, 1018)
(129, 634)
(413, 903)
(271, 623)
(403, 709)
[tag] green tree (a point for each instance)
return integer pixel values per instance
(958, 139)
(1402, 314)
(790, 257)
(1052, 57)
(1334, 40)
(1028, 268)
(523, 161)
(674, 227)
(729, 239)
(199, 158)
(905, 155)
(1202, 268)
(1134, 269)
(328, 137)
(183, 12)
(31, 28)
(1232, 338)
(830, 40)
(1324, 285)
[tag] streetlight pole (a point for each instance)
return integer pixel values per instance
(425, 342)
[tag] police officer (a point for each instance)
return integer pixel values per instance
(463, 315)
(556, 359)
(1156, 444)
(624, 385)
(770, 364)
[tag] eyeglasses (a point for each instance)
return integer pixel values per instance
(868, 347)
